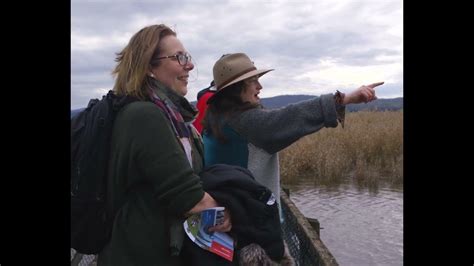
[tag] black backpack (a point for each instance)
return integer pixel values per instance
(91, 131)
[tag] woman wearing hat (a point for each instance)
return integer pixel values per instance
(238, 131)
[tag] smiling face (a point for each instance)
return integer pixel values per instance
(169, 71)
(251, 90)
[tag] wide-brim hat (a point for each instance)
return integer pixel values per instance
(232, 68)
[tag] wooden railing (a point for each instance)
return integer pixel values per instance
(303, 236)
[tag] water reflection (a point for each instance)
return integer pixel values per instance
(360, 184)
(361, 225)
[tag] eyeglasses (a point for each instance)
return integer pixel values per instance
(183, 59)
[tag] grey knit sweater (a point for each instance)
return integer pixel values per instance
(269, 131)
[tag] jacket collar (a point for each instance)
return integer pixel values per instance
(188, 111)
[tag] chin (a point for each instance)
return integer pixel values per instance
(182, 91)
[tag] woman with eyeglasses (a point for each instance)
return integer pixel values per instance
(239, 131)
(155, 154)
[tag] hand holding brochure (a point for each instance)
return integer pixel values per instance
(197, 225)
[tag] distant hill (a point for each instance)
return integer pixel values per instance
(282, 100)
(392, 104)
(379, 104)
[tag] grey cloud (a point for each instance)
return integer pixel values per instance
(289, 36)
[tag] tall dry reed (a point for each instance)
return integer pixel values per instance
(368, 149)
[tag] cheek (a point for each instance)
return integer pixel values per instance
(244, 95)
(252, 91)
(249, 95)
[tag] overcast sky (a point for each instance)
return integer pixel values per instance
(315, 46)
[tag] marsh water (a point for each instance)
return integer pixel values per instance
(359, 225)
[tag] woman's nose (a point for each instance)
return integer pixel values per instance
(189, 66)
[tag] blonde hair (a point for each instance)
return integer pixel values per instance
(131, 71)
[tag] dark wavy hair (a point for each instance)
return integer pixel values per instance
(224, 105)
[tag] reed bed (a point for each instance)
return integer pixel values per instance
(369, 149)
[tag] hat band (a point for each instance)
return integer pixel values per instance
(236, 76)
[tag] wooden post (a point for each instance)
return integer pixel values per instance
(315, 224)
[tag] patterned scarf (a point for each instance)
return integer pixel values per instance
(177, 122)
(182, 130)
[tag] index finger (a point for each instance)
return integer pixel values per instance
(373, 85)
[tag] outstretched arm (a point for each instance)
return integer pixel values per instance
(275, 129)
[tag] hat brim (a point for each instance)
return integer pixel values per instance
(259, 72)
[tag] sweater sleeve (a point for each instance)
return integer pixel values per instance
(161, 160)
(276, 129)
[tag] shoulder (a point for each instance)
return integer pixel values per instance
(140, 108)
(141, 112)
(249, 115)
(143, 119)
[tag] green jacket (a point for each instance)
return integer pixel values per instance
(150, 170)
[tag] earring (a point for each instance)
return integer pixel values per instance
(152, 75)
